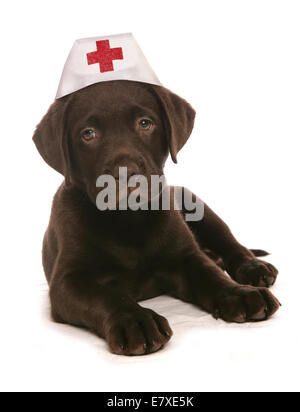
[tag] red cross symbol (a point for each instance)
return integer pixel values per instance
(105, 56)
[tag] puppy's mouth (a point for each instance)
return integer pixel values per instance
(124, 190)
(133, 192)
(138, 185)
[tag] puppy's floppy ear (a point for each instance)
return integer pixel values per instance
(179, 119)
(50, 137)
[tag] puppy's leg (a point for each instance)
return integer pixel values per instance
(240, 263)
(77, 299)
(198, 280)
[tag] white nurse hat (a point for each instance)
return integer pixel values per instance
(101, 59)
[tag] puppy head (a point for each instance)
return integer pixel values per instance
(108, 125)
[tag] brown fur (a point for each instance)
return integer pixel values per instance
(100, 264)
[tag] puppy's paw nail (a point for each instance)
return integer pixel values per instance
(269, 280)
(260, 315)
(241, 318)
(155, 346)
(216, 314)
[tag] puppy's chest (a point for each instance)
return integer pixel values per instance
(142, 257)
(124, 257)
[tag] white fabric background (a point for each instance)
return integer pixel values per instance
(203, 355)
(238, 63)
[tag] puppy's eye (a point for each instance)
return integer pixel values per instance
(88, 134)
(145, 124)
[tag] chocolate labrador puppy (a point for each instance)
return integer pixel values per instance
(99, 264)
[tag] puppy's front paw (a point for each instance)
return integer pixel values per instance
(137, 333)
(246, 304)
(256, 272)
